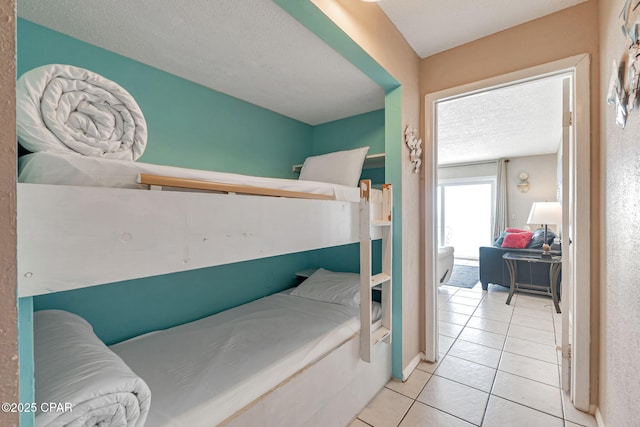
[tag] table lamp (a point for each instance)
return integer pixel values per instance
(545, 213)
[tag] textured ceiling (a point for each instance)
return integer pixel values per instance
(250, 49)
(253, 50)
(514, 121)
(432, 26)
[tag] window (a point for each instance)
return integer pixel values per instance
(465, 214)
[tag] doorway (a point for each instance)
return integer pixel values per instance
(575, 200)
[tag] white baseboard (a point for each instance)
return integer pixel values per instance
(406, 372)
(599, 419)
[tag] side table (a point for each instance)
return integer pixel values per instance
(555, 266)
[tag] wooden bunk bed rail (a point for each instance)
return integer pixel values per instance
(194, 184)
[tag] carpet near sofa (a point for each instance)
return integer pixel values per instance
(464, 276)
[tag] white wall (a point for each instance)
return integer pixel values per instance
(619, 390)
(467, 171)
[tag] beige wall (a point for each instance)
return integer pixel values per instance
(8, 312)
(620, 263)
(563, 34)
(366, 24)
(543, 187)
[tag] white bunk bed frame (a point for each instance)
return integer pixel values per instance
(72, 237)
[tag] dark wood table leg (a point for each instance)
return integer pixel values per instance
(513, 271)
(554, 272)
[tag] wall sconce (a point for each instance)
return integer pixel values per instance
(415, 146)
(523, 185)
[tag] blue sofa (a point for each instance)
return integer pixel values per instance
(493, 269)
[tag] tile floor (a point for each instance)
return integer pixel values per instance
(498, 367)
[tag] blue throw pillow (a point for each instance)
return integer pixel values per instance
(538, 238)
(499, 240)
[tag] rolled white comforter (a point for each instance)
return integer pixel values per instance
(91, 384)
(63, 108)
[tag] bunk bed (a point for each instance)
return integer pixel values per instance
(223, 369)
(90, 220)
(326, 386)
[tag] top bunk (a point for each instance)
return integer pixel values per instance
(85, 217)
(74, 236)
(77, 170)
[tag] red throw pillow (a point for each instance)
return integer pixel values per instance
(517, 240)
(514, 230)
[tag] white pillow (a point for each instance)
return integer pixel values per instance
(328, 286)
(340, 167)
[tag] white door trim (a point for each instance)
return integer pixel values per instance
(581, 351)
(579, 66)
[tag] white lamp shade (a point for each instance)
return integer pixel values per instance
(545, 213)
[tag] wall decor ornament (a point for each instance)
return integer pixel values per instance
(625, 78)
(631, 16)
(523, 185)
(616, 94)
(415, 147)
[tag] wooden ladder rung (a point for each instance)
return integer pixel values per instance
(379, 279)
(379, 334)
(380, 223)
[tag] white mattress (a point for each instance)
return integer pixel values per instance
(78, 170)
(203, 372)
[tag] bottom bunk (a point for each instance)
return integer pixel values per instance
(281, 360)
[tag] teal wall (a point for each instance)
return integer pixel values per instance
(25, 356)
(125, 309)
(357, 131)
(393, 175)
(346, 258)
(189, 125)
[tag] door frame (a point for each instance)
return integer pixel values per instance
(579, 67)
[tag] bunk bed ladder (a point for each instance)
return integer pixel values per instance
(372, 333)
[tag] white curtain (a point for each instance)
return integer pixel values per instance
(500, 218)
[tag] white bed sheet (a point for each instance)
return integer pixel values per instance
(203, 372)
(72, 169)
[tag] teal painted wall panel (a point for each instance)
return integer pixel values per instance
(347, 258)
(25, 355)
(122, 310)
(189, 125)
(393, 175)
(357, 131)
(377, 177)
